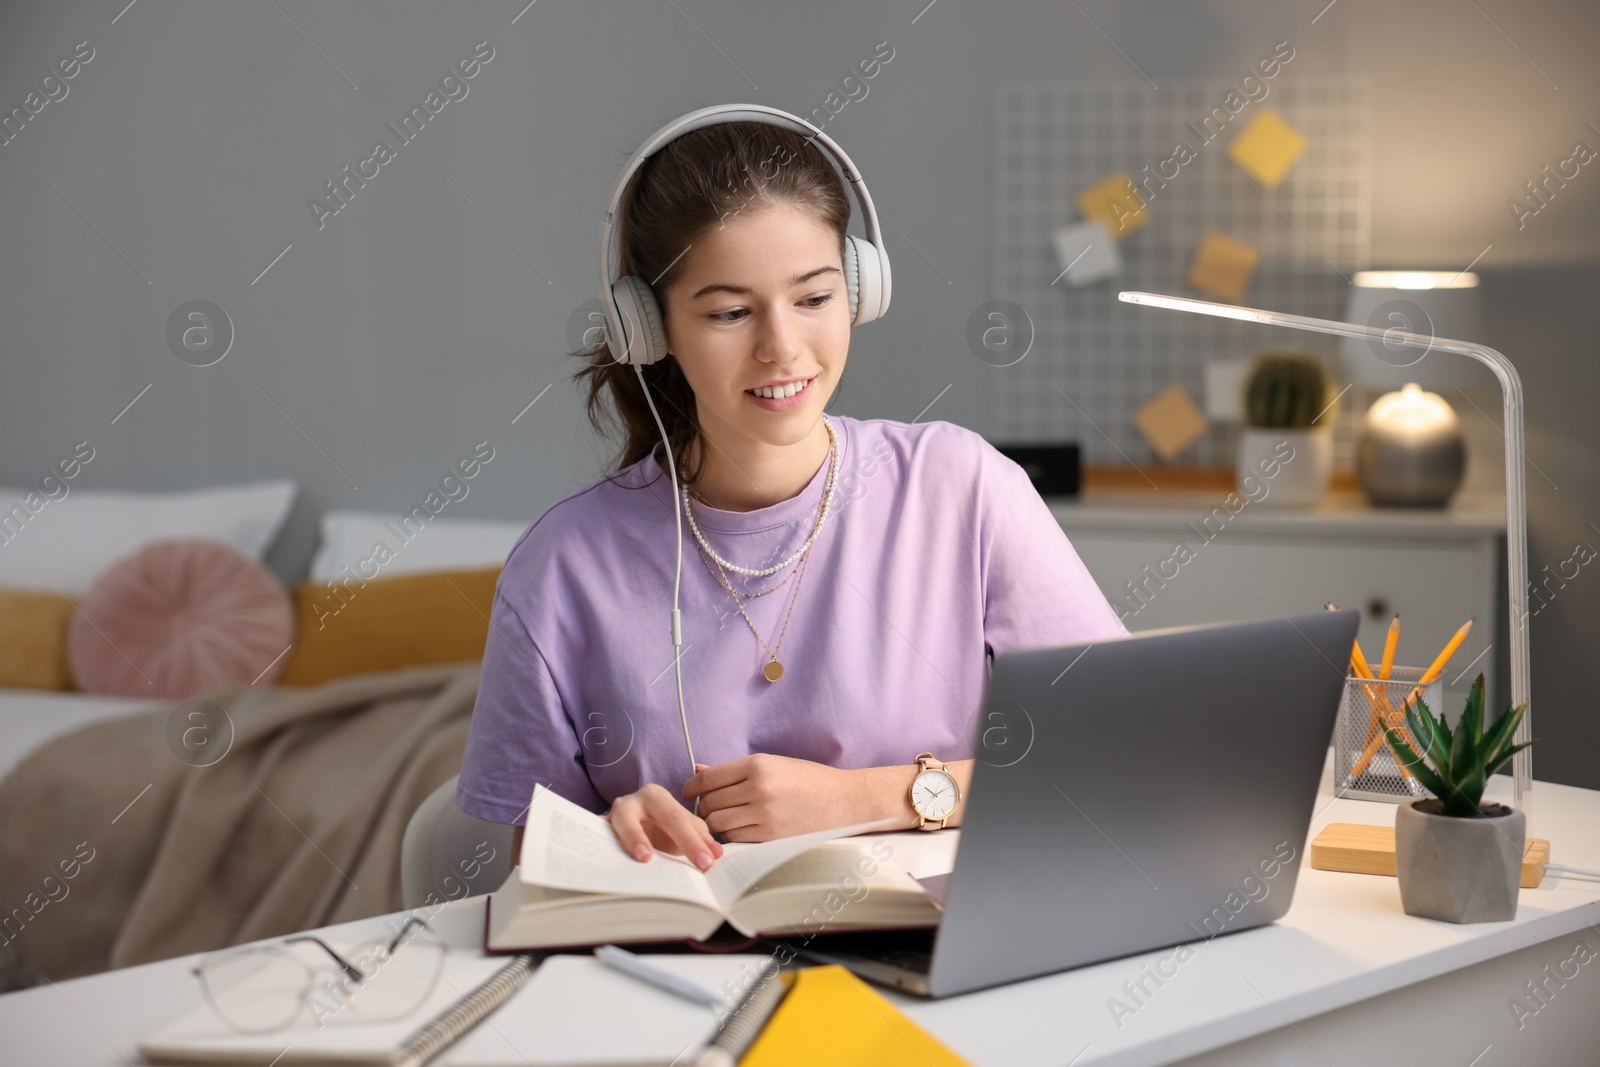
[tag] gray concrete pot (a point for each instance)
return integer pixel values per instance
(1455, 869)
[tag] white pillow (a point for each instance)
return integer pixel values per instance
(349, 537)
(70, 541)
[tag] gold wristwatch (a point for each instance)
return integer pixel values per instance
(934, 793)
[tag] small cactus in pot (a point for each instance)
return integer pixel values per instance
(1285, 402)
(1285, 391)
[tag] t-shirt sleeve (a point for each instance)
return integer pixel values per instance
(520, 733)
(1037, 592)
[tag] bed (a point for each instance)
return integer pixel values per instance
(31, 717)
(118, 845)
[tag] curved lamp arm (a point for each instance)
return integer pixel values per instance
(1516, 499)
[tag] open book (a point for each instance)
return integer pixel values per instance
(576, 886)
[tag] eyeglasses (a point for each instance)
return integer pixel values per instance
(263, 988)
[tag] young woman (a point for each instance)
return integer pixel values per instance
(852, 574)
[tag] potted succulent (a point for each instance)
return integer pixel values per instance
(1286, 432)
(1457, 859)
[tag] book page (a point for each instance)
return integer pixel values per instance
(855, 882)
(891, 861)
(743, 863)
(569, 847)
(829, 865)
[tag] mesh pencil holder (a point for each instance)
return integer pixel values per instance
(1365, 767)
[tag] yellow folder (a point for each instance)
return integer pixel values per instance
(831, 1016)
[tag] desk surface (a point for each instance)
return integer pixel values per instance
(1344, 939)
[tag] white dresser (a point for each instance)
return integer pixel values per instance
(1437, 568)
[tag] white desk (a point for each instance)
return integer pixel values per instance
(1346, 978)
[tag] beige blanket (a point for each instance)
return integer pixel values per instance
(297, 826)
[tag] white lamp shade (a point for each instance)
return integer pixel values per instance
(1432, 303)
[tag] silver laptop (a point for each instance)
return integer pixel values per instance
(1127, 795)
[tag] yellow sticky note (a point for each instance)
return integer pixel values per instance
(1223, 266)
(831, 1016)
(1267, 147)
(1116, 203)
(1170, 421)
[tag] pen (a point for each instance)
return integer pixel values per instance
(642, 969)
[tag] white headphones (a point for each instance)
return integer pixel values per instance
(634, 329)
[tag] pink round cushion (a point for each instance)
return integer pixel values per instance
(180, 617)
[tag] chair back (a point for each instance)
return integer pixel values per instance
(447, 854)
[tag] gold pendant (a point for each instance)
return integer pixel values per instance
(773, 671)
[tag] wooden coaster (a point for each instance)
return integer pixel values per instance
(1360, 849)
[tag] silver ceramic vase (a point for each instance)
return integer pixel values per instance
(1411, 452)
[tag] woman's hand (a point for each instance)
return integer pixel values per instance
(652, 817)
(762, 796)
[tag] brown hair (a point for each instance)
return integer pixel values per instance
(692, 183)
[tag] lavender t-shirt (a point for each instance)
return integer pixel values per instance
(937, 549)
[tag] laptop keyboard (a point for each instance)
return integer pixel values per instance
(910, 950)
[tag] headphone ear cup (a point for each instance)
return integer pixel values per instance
(641, 321)
(852, 277)
(863, 280)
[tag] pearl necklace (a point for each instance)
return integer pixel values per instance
(826, 506)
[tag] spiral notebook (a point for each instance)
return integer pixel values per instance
(564, 1017)
(470, 987)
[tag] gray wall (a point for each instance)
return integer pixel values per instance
(409, 328)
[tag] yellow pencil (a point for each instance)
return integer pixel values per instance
(1360, 667)
(1379, 701)
(1375, 739)
(1437, 666)
(1388, 648)
(1381, 712)
(1359, 661)
(1444, 656)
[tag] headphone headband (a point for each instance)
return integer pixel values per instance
(629, 333)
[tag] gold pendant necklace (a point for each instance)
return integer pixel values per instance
(774, 669)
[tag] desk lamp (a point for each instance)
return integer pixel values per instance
(1516, 500)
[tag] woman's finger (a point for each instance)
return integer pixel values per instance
(728, 796)
(627, 822)
(650, 818)
(707, 778)
(689, 833)
(727, 820)
(749, 833)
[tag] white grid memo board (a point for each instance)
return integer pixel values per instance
(1054, 139)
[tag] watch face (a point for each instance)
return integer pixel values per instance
(933, 794)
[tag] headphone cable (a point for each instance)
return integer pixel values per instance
(677, 578)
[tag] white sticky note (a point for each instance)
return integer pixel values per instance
(1086, 252)
(1225, 389)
